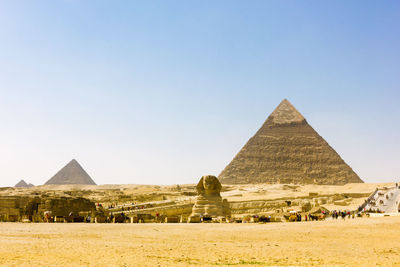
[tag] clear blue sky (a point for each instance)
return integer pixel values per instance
(163, 92)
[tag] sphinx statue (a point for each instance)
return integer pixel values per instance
(209, 202)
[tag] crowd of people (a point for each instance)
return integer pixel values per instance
(323, 215)
(342, 214)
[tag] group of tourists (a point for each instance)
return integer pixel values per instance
(318, 217)
(334, 214)
(342, 214)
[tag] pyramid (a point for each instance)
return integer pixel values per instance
(72, 173)
(22, 183)
(286, 149)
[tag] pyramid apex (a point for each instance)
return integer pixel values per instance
(74, 162)
(285, 113)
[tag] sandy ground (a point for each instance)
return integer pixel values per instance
(358, 242)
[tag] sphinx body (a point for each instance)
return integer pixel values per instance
(209, 202)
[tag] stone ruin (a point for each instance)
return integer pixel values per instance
(32, 207)
(209, 203)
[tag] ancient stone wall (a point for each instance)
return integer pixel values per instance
(63, 206)
(28, 206)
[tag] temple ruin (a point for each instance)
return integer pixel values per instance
(32, 208)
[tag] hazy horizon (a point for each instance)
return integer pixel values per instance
(163, 93)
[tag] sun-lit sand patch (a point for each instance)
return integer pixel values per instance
(355, 242)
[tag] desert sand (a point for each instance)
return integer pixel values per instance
(354, 242)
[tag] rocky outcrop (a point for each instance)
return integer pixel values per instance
(209, 202)
(286, 149)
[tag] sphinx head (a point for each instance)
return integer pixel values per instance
(209, 185)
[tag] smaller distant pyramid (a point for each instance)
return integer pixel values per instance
(22, 183)
(72, 173)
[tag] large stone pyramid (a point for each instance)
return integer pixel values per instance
(72, 173)
(286, 149)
